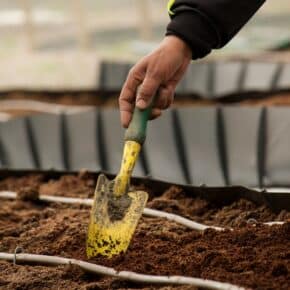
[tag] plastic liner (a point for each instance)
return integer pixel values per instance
(126, 275)
(276, 200)
(211, 79)
(197, 145)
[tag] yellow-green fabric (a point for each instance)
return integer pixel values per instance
(169, 6)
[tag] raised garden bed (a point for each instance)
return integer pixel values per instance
(250, 254)
(205, 83)
(110, 98)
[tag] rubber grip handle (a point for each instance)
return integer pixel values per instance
(138, 125)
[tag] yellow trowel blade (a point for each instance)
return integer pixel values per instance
(113, 219)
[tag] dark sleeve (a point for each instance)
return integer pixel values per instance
(209, 24)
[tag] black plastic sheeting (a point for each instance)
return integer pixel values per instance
(277, 201)
(212, 79)
(197, 145)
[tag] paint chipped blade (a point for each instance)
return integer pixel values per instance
(113, 219)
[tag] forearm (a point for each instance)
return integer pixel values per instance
(209, 24)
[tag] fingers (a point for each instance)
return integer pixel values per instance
(155, 113)
(126, 111)
(165, 98)
(128, 93)
(151, 87)
(147, 91)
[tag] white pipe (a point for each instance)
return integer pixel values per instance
(273, 189)
(126, 275)
(179, 220)
(147, 211)
(68, 200)
(274, 223)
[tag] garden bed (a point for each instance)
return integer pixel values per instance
(24, 103)
(251, 255)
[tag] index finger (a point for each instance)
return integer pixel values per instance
(128, 95)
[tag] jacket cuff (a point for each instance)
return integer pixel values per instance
(195, 29)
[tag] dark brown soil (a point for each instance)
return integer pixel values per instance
(173, 200)
(252, 255)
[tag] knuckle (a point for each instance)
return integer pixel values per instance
(134, 74)
(144, 94)
(124, 105)
(121, 102)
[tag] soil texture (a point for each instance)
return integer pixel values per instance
(174, 200)
(252, 255)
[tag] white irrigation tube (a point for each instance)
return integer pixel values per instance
(274, 223)
(273, 189)
(125, 275)
(179, 220)
(44, 107)
(147, 211)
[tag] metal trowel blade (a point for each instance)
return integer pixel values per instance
(113, 219)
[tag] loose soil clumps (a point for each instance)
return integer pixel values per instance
(252, 255)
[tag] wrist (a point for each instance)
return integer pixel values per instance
(178, 43)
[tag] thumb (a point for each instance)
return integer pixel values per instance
(146, 92)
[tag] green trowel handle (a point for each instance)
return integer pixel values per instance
(137, 128)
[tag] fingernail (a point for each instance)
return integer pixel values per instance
(141, 104)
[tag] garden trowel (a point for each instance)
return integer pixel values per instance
(116, 209)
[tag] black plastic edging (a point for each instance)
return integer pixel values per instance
(187, 145)
(277, 76)
(100, 140)
(3, 156)
(222, 146)
(64, 142)
(211, 79)
(202, 78)
(31, 140)
(180, 146)
(261, 148)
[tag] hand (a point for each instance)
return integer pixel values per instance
(156, 73)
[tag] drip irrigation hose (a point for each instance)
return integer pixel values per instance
(147, 211)
(125, 275)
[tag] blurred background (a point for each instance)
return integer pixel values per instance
(59, 43)
(230, 119)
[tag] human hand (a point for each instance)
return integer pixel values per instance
(157, 73)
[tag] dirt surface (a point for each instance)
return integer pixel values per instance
(252, 255)
(65, 98)
(99, 99)
(173, 200)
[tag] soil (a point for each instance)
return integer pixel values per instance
(251, 255)
(174, 200)
(110, 99)
(59, 97)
